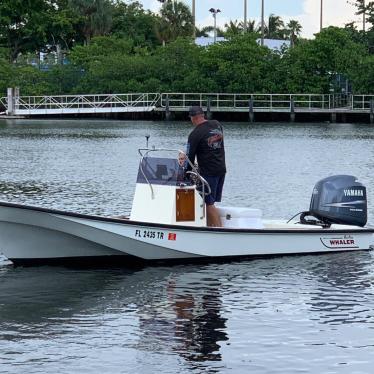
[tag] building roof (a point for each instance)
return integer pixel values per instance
(273, 44)
(204, 41)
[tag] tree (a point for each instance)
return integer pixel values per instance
(95, 17)
(233, 28)
(63, 28)
(313, 65)
(294, 29)
(367, 7)
(99, 49)
(240, 65)
(5, 75)
(131, 21)
(275, 27)
(23, 25)
(175, 21)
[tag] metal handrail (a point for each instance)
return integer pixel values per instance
(85, 101)
(261, 101)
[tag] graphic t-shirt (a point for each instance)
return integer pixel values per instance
(206, 143)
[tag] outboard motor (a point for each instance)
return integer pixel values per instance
(338, 199)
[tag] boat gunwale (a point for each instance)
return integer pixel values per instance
(129, 222)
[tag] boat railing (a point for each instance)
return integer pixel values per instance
(204, 184)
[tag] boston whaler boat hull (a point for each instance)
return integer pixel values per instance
(30, 234)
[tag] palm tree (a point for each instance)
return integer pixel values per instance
(275, 27)
(96, 17)
(234, 27)
(175, 20)
(294, 30)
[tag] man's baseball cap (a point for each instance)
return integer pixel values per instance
(195, 111)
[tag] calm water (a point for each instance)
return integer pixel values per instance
(312, 314)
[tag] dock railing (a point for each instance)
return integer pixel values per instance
(174, 101)
(362, 102)
(265, 102)
(76, 104)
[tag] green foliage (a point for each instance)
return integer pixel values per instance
(23, 25)
(95, 17)
(5, 75)
(312, 65)
(117, 47)
(31, 80)
(131, 21)
(99, 50)
(239, 65)
(175, 21)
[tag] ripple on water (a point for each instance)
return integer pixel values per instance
(288, 315)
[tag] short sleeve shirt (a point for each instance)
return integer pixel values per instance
(205, 142)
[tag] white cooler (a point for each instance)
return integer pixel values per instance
(248, 218)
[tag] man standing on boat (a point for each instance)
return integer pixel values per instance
(205, 142)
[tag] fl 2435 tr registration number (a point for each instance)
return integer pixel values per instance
(149, 234)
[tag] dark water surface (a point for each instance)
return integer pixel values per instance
(302, 314)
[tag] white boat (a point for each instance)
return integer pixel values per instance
(168, 223)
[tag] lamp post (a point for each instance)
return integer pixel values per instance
(194, 19)
(214, 13)
(245, 16)
(363, 17)
(321, 17)
(262, 22)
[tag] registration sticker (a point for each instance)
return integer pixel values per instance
(172, 236)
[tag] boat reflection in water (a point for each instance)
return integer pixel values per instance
(192, 318)
(174, 309)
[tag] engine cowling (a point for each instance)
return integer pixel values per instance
(339, 199)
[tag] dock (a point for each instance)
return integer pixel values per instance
(247, 107)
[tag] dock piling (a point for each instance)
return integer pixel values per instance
(208, 110)
(371, 111)
(167, 109)
(292, 110)
(10, 100)
(251, 112)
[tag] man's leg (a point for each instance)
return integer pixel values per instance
(213, 218)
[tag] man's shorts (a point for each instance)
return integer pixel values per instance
(216, 186)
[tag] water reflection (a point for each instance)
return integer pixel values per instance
(345, 286)
(184, 309)
(188, 317)
(274, 315)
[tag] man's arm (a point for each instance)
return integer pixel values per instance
(192, 144)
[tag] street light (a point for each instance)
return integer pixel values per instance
(262, 22)
(320, 20)
(193, 19)
(363, 17)
(245, 16)
(214, 13)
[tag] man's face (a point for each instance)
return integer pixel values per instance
(196, 119)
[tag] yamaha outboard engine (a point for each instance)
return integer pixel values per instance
(338, 199)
